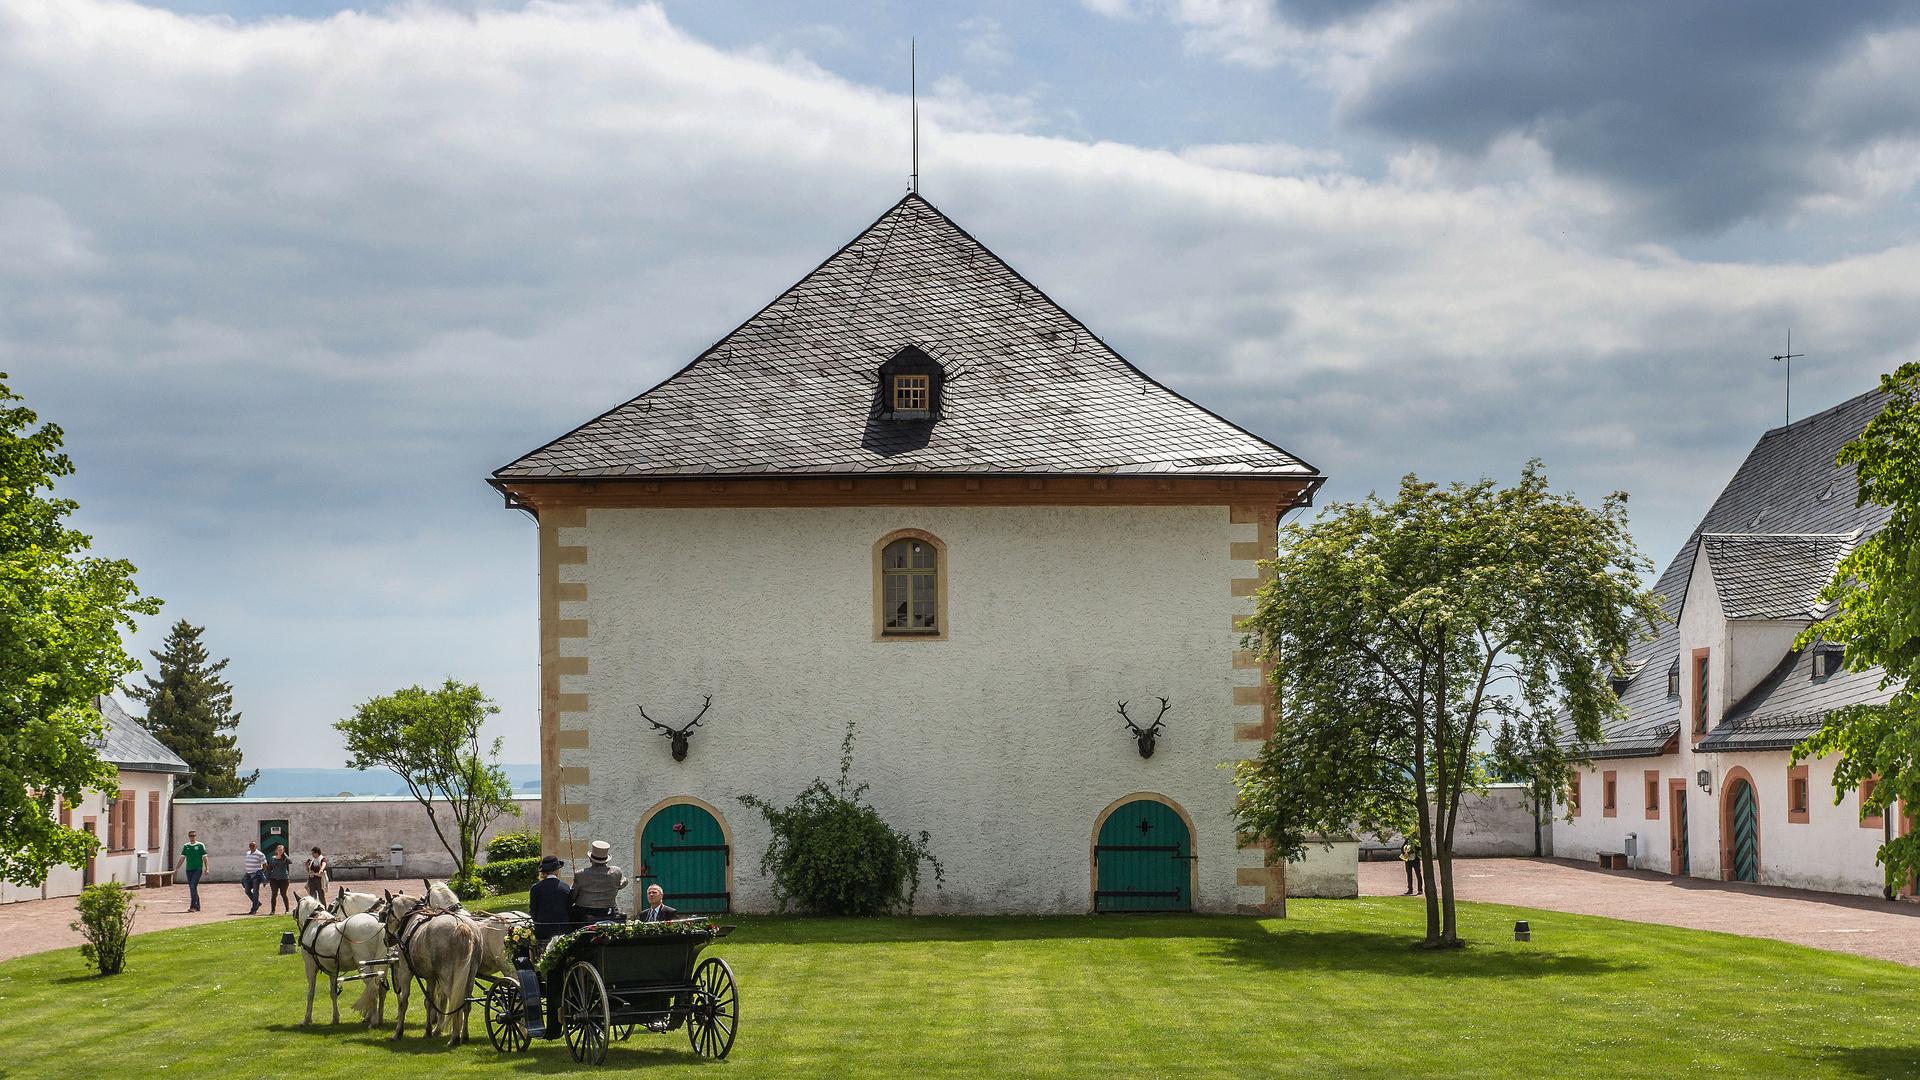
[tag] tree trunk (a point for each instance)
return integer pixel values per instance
(1426, 832)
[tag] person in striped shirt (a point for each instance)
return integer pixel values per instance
(255, 875)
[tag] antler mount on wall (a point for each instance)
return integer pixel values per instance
(1143, 736)
(678, 735)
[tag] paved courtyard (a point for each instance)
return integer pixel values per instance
(1864, 926)
(38, 925)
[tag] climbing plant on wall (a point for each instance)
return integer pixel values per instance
(833, 854)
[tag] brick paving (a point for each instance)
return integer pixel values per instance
(1862, 925)
(33, 926)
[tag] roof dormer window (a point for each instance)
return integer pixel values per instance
(1673, 679)
(910, 385)
(910, 393)
(1828, 660)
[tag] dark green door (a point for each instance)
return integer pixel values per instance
(683, 851)
(1746, 833)
(273, 834)
(1143, 856)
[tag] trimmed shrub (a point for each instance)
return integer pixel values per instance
(469, 886)
(519, 844)
(834, 855)
(106, 919)
(510, 875)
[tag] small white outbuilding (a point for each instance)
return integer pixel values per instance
(131, 821)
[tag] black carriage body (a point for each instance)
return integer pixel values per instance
(644, 976)
(603, 990)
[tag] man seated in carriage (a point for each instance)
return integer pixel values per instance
(597, 888)
(657, 909)
(550, 903)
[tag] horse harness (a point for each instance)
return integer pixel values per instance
(318, 923)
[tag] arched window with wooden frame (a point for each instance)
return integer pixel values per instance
(909, 586)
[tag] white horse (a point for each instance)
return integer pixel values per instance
(337, 946)
(445, 950)
(348, 904)
(493, 926)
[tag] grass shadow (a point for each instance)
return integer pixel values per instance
(1382, 953)
(1874, 1062)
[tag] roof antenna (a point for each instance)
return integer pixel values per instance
(913, 97)
(1789, 356)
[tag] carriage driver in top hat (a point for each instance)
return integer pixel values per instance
(597, 888)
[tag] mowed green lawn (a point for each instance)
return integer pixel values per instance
(1336, 990)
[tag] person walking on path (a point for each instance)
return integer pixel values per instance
(596, 889)
(255, 876)
(279, 873)
(317, 876)
(194, 856)
(550, 902)
(1410, 854)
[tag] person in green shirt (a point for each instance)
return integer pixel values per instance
(195, 856)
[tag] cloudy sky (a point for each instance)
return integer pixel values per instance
(294, 277)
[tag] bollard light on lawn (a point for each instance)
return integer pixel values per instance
(286, 942)
(1520, 931)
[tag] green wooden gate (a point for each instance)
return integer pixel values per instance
(1746, 833)
(1143, 857)
(684, 851)
(1686, 849)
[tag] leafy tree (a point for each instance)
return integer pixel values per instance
(188, 708)
(1876, 596)
(432, 739)
(836, 855)
(61, 616)
(1401, 633)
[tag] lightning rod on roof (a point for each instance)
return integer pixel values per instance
(913, 100)
(1789, 356)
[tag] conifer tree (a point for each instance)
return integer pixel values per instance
(188, 708)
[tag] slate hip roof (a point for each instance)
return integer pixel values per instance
(793, 389)
(131, 747)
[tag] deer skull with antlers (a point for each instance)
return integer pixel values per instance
(1144, 735)
(678, 735)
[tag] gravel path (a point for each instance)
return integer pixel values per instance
(1864, 926)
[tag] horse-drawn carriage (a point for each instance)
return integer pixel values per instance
(599, 983)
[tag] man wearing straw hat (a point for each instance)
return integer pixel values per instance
(597, 888)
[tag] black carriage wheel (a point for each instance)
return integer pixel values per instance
(506, 1023)
(622, 1031)
(583, 1014)
(715, 1014)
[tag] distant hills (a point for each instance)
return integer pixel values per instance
(304, 783)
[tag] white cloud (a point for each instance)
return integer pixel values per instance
(986, 42)
(294, 287)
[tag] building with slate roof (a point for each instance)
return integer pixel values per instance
(131, 821)
(1716, 703)
(914, 494)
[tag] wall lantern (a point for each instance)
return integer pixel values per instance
(1705, 780)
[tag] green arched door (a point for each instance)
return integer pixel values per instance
(684, 851)
(1746, 833)
(1143, 859)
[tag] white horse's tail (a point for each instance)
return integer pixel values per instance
(373, 989)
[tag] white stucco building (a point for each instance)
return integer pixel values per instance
(913, 493)
(131, 821)
(1700, 776)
